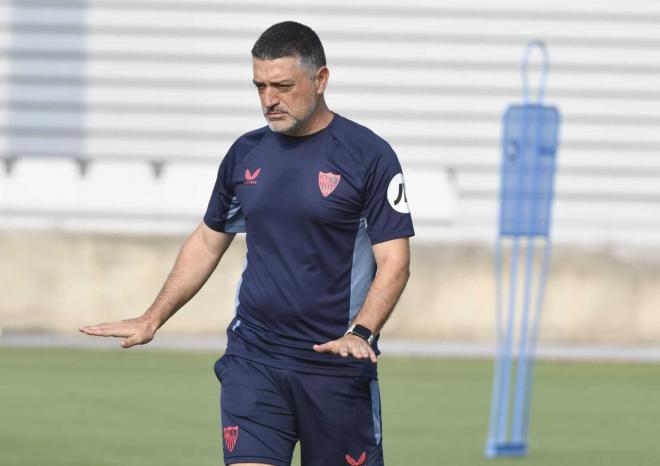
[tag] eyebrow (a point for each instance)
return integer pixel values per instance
(286, 82)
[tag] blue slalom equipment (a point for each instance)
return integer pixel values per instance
(529, 149)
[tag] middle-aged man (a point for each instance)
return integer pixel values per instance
(323, 204)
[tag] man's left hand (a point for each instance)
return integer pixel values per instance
(348, 345)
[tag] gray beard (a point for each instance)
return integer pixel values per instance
(296, 124)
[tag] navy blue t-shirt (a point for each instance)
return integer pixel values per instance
(311, 208)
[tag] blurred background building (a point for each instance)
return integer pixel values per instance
(114, 116)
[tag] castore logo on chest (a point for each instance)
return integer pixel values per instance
(251, 178)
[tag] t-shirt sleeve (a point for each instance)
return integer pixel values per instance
(386, 205)
(224, 212)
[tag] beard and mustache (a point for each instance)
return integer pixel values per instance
(291, 124)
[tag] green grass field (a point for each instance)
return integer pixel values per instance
(141, 408)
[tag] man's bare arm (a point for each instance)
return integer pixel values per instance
(197, 259)
(393, 261)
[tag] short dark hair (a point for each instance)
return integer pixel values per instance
(290, 39)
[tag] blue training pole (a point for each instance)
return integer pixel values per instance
(529, 147)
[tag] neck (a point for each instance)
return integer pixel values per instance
(318, 120)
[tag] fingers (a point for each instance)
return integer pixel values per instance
(348, 346)
(359, 350)
(134, 340)
(131, 332)
(107, 329)
(372, 355)
(329, 347)
(334, 347)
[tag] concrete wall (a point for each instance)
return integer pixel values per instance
(57, 281)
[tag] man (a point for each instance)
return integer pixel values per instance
(323, 204)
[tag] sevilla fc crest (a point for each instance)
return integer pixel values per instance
(231, 437)
(328, 182)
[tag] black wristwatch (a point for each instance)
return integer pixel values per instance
(362, 332)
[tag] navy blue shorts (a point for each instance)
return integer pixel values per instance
(266, 410)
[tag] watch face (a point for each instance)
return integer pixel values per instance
(362, 332)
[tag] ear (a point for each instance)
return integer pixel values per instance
(321, 79)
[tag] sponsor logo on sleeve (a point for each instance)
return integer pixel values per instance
(396, 194)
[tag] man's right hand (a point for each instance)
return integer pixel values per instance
(195, 263)
(137, 331)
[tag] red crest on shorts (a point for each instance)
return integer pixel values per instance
(230, 434)
(359, 462)
(328, 182)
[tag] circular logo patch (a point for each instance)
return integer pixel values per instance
(396, 194)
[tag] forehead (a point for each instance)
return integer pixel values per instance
(275, 70)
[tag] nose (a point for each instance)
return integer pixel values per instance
(271, 97)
